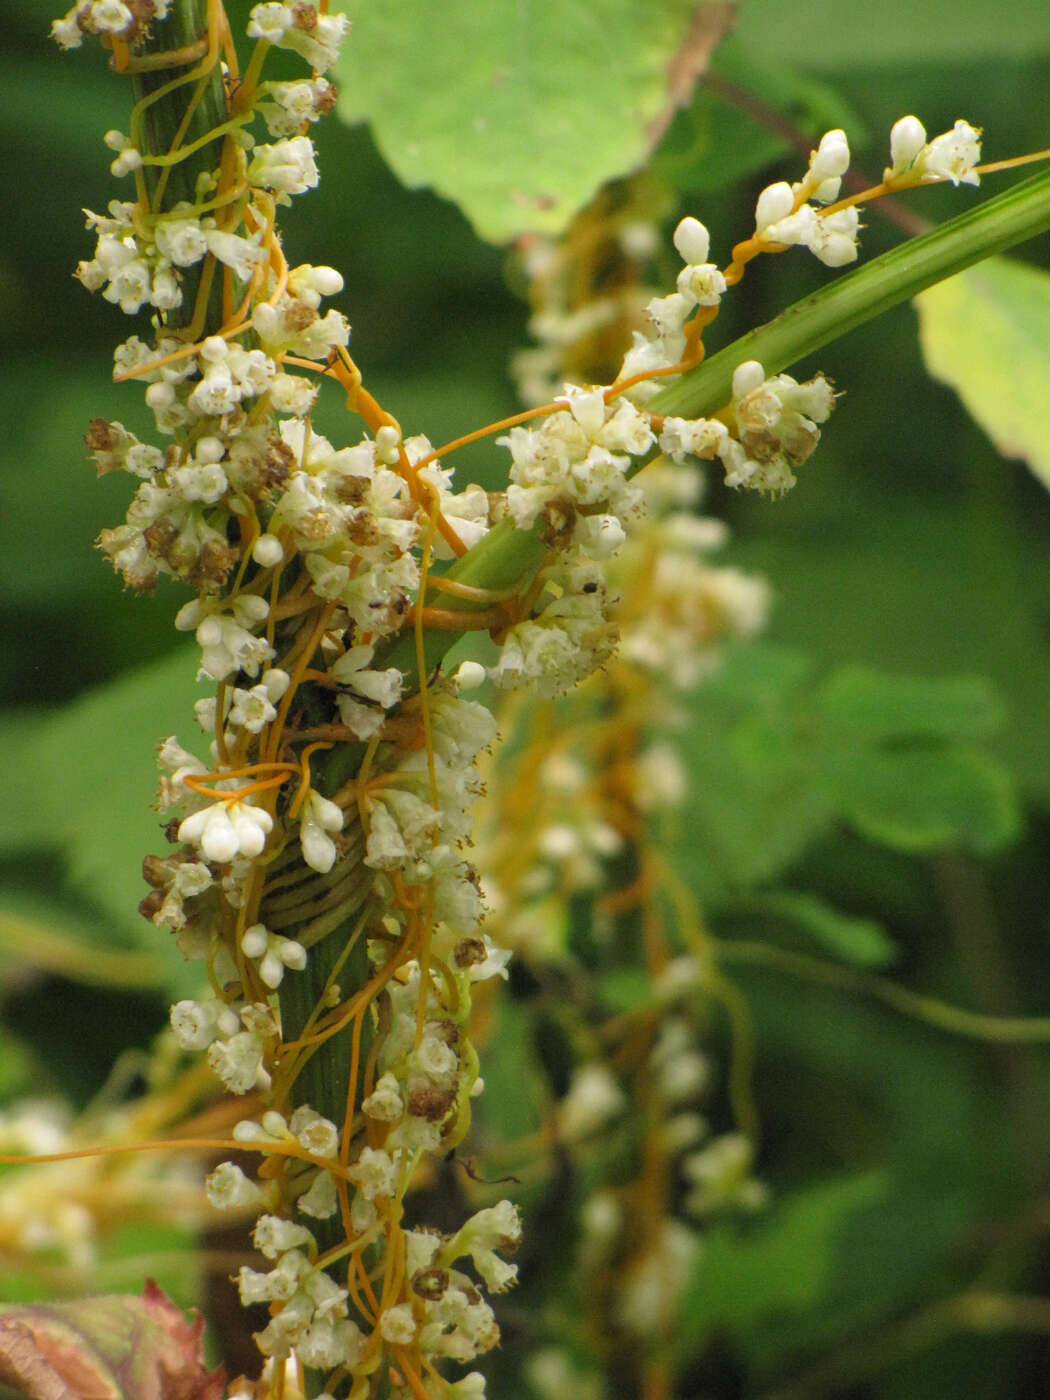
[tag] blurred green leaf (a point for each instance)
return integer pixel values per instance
(922, 799)
(836, 34)
(860, 941)
(985, 334)
(775, 760)
(513, 1102)
(520, 113)
(42, 933)
(866, 705)
(853, 1083)
(85, 778)
(781, 1262)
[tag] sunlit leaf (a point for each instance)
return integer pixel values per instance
(518, 113)
(984, 332)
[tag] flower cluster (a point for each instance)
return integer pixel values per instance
(107, 18)
(319, 864)
(951, 156)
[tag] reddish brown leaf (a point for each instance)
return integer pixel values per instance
(106, 1348)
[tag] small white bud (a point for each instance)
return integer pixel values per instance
(469, 675)
(268, 551)
(746, 377)
(692, 240)
(907, 138)
(774, 203)
(831, 159)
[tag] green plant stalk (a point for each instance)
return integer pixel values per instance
(184, 28)
(508, 556)
(838, 308)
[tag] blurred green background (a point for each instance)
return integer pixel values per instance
(909, 547)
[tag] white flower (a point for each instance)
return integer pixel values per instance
(470, 1387)
(397, 1325)
(384, 1104)
(294, 393)
(227, 829)
(269, 22)
(321, 1200)
(721, 1174)
(747, 376)
(181, 240)
(704, 284)
(669, 314)
(267, 551)
(594, 1097)
(651, 1291)
(287, 167)
(274, 953)
(280, 1283)
(833, 238)
(319, 1136)
(199, 482)
(252, 709)
(953, 155)
(130, 287)
(194, 1023)
(227, 643)
(692, 240)
(682, 438)
(66, 31)
(382, 689)
(272, 1236)
(309, 284)
(241, 254)
(469, 675)
(227, 1188)
(496, 1228)
(238, 1061)
(319, 817)
(375, 1172)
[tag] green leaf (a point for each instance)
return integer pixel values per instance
(862, 942)
(984, 333)
(867, 705)
(926, 798)
(755, 802)
(837, 34)
(776, 758)
(519, 112)
(43, 933)
(85, 777)
(783, 1263)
